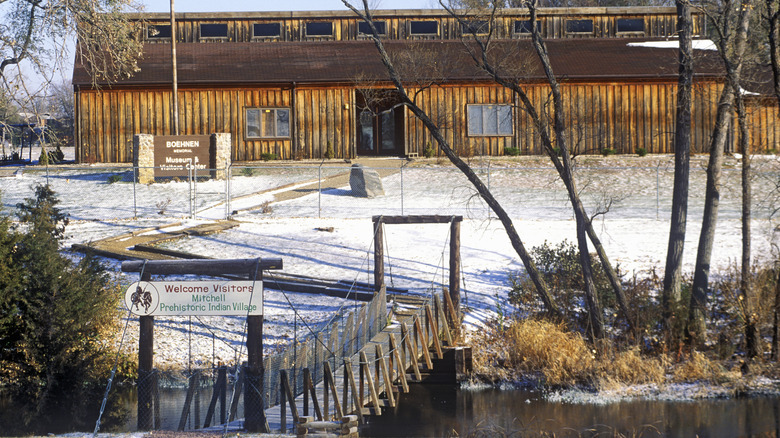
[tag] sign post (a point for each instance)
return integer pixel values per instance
(147, 298)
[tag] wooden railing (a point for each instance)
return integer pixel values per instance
(370, 379)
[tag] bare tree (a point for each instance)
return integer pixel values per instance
(482, 52)
(34, 35)
(730, 20)
(506, 221)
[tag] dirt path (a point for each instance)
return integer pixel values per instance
(141, 244)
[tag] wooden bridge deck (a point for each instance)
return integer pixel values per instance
(384, 360)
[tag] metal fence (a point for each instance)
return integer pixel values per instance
(279, 191)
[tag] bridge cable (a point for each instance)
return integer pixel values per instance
(116, 363)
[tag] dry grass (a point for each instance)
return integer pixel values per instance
(534, 347)
(630, 368)
(698, 367)
(538, 348)
(561, 356)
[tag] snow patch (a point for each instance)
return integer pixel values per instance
(674, 44)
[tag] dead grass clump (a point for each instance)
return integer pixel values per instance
(630, 368)
(539, 346)
(697, 367)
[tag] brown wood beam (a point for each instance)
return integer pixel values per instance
(417, 219)
(455, 269)
(213, 267)
(379, 261)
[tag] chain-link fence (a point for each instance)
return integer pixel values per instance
(200, 398)
(283, 191)
(172, 400)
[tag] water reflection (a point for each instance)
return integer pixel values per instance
(436, 411)
(444, 410)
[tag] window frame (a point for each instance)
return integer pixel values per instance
(412, 22)
(485, 118)
(158, 38)
(525, 34)
(587, 32)
(213, 38)
(306, 29)
(377, 23)
(260, 110)
(467, 26)
(267, 37)
(630, 32)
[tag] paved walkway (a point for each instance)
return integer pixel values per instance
(384, 166)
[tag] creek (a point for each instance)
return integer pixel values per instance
(446, 410)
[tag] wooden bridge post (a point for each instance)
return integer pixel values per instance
(455, 271)
(254, 408)
(145, 368)
(379, 254)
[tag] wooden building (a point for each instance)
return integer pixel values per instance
(296, 84)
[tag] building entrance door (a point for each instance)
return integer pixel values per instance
(380, 124)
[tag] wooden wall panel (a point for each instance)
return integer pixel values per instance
(617, 115)
(762, 117)
(324, 116)
(345, 26)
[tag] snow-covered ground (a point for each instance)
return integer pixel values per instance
(634, 231)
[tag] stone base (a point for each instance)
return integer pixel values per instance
(365, 182)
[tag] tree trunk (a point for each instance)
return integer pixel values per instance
(682, 154)
(696, 315)
(752, 335)
(773, 17)
(732, 51)
(506, 221)
(776, 322)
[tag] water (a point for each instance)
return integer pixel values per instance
(439, 411)
(445, 410)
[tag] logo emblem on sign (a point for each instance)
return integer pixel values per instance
(143, 299)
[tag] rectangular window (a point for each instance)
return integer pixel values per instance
(365, 29)
(158, 31)
(486, 120)
(630, 25)
(319, 29)
(479, 27)
(423, 27)
(214, 30)
(524, 27)
(579, 26)
(266, 30)
(267, 122)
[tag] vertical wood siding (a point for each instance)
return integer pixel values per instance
(764, 131)
(324, 116)
(108, 119)
(622, 116)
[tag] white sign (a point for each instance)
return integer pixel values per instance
(195, 298)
